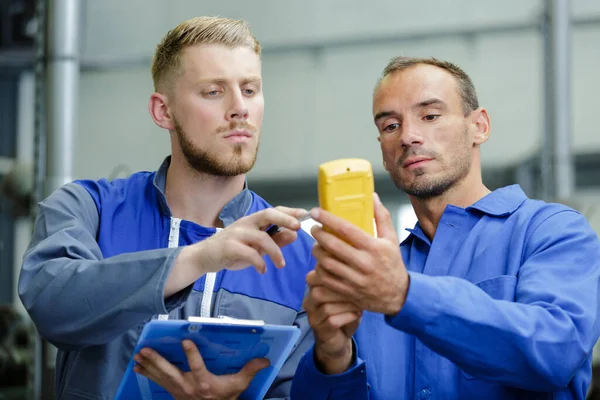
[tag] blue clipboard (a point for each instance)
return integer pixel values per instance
(225, 345)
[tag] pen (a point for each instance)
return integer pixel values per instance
(273, 229)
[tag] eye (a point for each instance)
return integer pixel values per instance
(391, 127)
(431, 117)
(250, 90)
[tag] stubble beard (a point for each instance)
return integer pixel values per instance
(205, 162)
(426, 188)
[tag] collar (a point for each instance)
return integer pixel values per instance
(499, 203)
(416, 231)
(235, 209)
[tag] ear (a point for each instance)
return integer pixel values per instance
(483, 128)
(160, 112)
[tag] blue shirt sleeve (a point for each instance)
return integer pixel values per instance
(310, 383)
(538, 341)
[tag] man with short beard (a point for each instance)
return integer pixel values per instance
(492, 296)
(108, 256)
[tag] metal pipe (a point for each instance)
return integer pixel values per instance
(545, 187)
(561, 59)
(62, 79)
(39, 170)
(557, 159)
(23, 225)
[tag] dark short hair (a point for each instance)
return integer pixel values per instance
(466, 89)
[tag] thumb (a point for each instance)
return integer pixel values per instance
(350, 328)
(383, 220)
(252, 367)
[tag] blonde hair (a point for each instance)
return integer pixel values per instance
(166, 64)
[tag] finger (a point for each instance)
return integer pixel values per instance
(259, 240)
(342, 319)
(299, 213)
(195, 360)
(342, 228)
(325, 312)
(351, 327)
(332, 282)
(138, 369)
(383, 221)
(158, 368)
(294, 212)
(266, 245)
(272, 216)
(247, 255)
(284, 237)
(351, 274)
(249, 371)
(321, 294)
(327, 326)
(310, 303)
(335, 246)
(316, 304)
(313, 279)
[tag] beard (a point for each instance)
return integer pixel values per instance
(205, 162)
(424, 187)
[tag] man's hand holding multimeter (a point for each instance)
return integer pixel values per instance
(368, 270)
(355, 270)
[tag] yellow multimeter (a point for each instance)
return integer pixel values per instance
(346, 190)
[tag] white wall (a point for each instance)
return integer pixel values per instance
(317, 90)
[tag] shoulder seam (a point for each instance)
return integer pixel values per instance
(532, 229)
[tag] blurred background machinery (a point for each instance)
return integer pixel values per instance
(74, 82)
(17, 355)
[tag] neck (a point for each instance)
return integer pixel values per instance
(199, 197)
(463, 194)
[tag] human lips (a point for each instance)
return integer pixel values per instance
(414, 162)
(238, 135)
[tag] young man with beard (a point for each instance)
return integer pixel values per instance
(106, 257)
(492, 296)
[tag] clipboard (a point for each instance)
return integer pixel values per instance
(225, 344)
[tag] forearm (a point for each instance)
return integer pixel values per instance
(531, 346)
(84, 302)
(186, 269)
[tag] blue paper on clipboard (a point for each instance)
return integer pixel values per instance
(226, 345)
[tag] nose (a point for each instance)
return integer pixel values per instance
(410, 135)
(237, 107)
